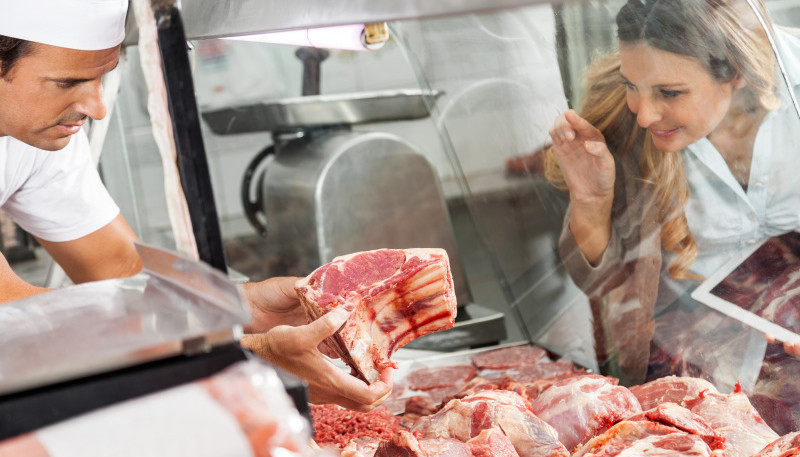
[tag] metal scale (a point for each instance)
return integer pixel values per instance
(323, 189)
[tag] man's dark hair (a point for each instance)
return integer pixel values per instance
(11, 50)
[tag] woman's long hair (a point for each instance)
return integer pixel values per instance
(727, 41)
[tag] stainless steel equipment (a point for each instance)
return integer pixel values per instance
(326, 190)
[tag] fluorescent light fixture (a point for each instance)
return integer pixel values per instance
(355, 37)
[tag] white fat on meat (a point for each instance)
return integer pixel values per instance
(505, 411)
(584, 406)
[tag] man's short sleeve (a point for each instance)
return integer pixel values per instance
(63, 198)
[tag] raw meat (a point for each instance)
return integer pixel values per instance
(785, 446)
(401, 445)
(336, 426)
(530, 373)
(779, 304)
(404, 444)
(361, 447)
(682, 419)
(645, 438)
(507, 412)
(584, 406)
(431, 378)
(444, 447)
(393, 296)
(491, 443)
(514, 356)
(734, 418)
(535, 388)
(777, 393)
(673, 389)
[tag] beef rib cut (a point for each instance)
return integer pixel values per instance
(393, 296)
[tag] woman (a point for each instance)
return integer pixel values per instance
(678, 160)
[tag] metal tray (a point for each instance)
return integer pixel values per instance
(322, 110)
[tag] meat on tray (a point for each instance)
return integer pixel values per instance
(645, 438)
(674, 389)
(509, 357)
(492, 443)
(785, 446)
(529, 373)
(407, 445)
(393, 296)
(434, 377)
(581, 407)
(465, 418)
(735, 419)
(336, 426)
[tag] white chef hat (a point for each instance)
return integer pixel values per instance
(88, 25)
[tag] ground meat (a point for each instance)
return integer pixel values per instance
(336, 426)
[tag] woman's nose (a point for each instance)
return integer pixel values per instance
(647, 112)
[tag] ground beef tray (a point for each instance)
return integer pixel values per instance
(336, 426)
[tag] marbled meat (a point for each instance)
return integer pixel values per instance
(393, 296)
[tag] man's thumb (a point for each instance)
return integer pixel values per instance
(329, 323)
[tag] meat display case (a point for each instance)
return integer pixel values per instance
(504, 71)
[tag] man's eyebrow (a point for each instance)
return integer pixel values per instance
(74, 81)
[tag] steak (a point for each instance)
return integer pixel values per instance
(584, 406)
(735, 419)
(674, 389)
(785, 446)
(393, 296)
(506, 412)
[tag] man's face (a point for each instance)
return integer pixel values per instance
(48, 95)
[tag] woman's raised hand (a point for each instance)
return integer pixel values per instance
(589, 172)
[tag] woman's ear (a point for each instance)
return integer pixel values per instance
(738, 82)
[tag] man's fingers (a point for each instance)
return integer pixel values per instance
(327, 325)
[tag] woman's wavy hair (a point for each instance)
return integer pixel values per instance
(728, 41)
(11, 50)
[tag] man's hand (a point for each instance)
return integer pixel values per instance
(295, 349)
(273, 302)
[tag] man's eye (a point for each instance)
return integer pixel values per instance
(65, 85)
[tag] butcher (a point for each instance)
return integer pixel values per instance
(53, 55)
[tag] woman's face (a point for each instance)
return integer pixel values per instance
(673, 96)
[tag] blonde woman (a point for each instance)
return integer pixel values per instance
(685, 151)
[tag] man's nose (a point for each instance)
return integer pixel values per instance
(91, 101)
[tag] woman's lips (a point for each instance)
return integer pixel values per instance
(664, 133)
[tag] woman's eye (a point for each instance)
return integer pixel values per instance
(670, 93)
(628, 85)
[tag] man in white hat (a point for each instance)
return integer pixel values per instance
(53, 55)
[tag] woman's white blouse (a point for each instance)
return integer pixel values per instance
(724, 217)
